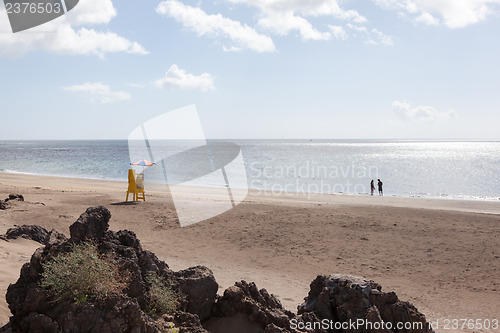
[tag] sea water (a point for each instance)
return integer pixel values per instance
(442, 169)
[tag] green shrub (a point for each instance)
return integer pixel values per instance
(81, 274)
(162, 298)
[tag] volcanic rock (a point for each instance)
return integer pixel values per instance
(347, 299)
(33, 232)
(35, 310)
(18, 197)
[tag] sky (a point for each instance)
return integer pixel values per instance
(260, 69)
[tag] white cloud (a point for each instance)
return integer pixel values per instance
(202, 23)
(421, 113)
(59, 36)
(305, 8)
(178, 78)
(427, 19)
(282, 23)
(453, 13)
(98, 92)
(91, 12)
(373, 36)
(382, 38)
(279, 17)
(338, 32)
(358, 29)
(284, 16)
(389, 3)
(89, 41)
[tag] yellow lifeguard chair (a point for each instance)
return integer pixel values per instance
(135, 185)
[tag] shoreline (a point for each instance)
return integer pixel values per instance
(260, 192)
(432, 253)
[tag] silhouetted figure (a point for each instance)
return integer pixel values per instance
(380, 191)
(372, 186)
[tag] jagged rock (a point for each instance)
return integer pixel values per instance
(259, 305)
(55, 238)
(6, 329)
(18, 197)
(3, 205)
(33, 232)
(35, 310)
(92, 224)
(345, 299)
(188, 323)
(199, 284)
(118, 314)
(259, 308)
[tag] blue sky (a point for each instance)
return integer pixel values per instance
(257, 69)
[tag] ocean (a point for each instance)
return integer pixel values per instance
(408, 168)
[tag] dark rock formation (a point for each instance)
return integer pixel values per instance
(188, 322)
(346, 299)
(34, 310)
(245, 305)
(54, 238)
(4, 204)
(242, 308)
(258, 305)
(33, 232)
(6, 329)
(18, 197)
(200, 288)
(92, 224)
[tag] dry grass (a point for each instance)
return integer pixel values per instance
(162, 299)
(82, 274)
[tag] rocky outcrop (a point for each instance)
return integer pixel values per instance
(115, 314)
(33, 232)
(4, 204)
(92, 224)
(199, 286)
(242, 308)
(254, 307)
(18, 197)
(35, 310)
(54, 238)
(258, 305)
(350, 299)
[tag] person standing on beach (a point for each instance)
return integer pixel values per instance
(372, 186)
(380, 191)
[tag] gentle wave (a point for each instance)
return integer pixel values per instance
(61, 176)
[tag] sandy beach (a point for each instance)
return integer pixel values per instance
(441, 255)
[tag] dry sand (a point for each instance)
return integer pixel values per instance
(441, 255)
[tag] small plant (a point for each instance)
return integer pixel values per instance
(81, 274)
(162, 299)
(172, 329)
